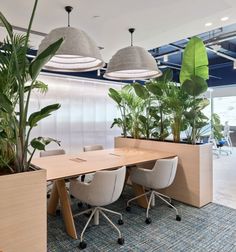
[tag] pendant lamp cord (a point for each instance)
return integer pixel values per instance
(131, 30)
(68, 10)
(68, 19)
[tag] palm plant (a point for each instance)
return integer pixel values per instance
(18, 77)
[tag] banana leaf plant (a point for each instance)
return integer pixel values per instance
(177, 102)
(131, 107)
(216, 127)
(193, 75)
(122, 122)
(147, 120)
(158, 88)
(18, 77)
(196, 119)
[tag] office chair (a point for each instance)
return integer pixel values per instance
(159, 177)
(47, 154)
(86, 148)
(217, 146)
(104, 189)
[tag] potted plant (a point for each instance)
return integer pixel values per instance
(23, 189)
(173, 108)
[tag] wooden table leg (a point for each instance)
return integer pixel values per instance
(138, 189)
(53, 201)
(66, 208)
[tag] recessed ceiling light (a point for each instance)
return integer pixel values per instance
(208, 24)
(224, 19)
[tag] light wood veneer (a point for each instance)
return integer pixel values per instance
(23, 219)
(193, 183)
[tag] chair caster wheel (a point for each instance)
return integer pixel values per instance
(58, 212)
(48, 195)
(120, 222)
(148, 220)
(72, 197)
(128, 208)
(80, 204)
(82, 245)
(121, 241)
(178, 218)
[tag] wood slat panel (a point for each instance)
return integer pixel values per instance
(23, 220)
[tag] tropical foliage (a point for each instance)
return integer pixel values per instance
(18, 77)
(163, 107)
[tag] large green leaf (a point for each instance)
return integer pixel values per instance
(154, 88)
(140, 91)
(115, 95)
(43, 113)
(195, 61)
(40, 143)
(38, 63)
(202, 103)
(143, 120)
(5, 104)
(195, 86)
(6, 24)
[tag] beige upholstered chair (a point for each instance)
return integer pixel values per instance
(92, 147)
(104, 189)
(159, 177)
(89, 177)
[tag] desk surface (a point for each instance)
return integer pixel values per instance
(63, 166)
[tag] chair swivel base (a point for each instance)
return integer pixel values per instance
(95, 211)
(154, 193)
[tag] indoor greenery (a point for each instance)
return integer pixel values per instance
(216, 127)
(166, 107)
(18, 77)
(130, 106)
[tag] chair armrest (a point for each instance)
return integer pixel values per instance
(79, 188)
(140, 176)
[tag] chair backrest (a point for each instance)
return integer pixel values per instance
(92, 147)
(164, 172)
(52, 153)
(106, 186)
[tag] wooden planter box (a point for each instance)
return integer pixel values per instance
(193, 183)
(23, 219)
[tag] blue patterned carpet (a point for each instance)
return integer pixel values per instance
(209, 229)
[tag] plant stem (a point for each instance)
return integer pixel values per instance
(24, 110)
(8, 166)
(29, 161)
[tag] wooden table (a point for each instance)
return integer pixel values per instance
(61, 167)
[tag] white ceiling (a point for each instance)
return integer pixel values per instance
(157, 22)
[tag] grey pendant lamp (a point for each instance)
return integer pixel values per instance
(132, 63)
(78, 52)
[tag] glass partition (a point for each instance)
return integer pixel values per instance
(85, 116)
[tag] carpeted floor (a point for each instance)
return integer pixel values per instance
(211, 228)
